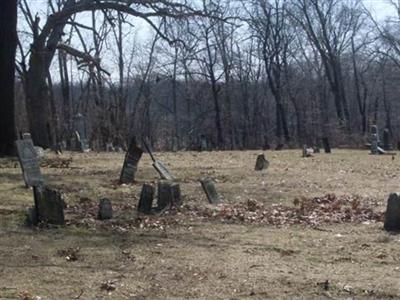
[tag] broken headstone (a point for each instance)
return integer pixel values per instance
(392, 216)
(29, 162)
(105, 209)
(131, 161)
(158, 165)
(146, 199)
(49, 206)
(210, 190)
(261, 163)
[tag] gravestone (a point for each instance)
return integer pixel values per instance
(386, 140)
(210, 190)
(374, 140)
(80, 128)
(176, 194)
(110, 147)
(164, 196)
(105, 209)
(162, 170)
(29, 162)
(146, 199)
(392, 216)
(203, 143)
(131, 161)
(49, 206)
(307, 152)
(261, 163)
(327, 146)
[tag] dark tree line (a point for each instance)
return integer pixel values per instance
(226, 75)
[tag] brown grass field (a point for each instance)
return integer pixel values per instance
(190, 253)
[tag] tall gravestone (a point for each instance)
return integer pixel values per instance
(131, 161)
(386, 140)
(326, 144)
(146, 199)
(29, 162)
(80, 128)
(374, 140)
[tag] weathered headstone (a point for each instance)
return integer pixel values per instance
(203, 143)
(210, 190)
(80, 128)
(386, 140)
(162, 170)
(374, 140)
(327, 146)
(49, 206)
(176, 194)
(131, 161)
(29, 162)
(392, 217)
(105, 209)
(164, 196)
(158, 165)
(110, 147)
(261, 163)
(307, 152)
(146, 199)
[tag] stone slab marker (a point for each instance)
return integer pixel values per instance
(210, 190)
(29, 162)
(105, 209)
(386, 140)
(158, 165)
(261, 163)
(392, 216)
(49, 206)
(131, 161)
(327, 146)
(146, 199)
(164, 196)
(176, 194)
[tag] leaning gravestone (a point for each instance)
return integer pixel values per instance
(105, 209)
(392, 217)
(261, 163)
(80, 128)
(49, 206)
(158, 165)
(29, 162)
(146, 199)
(131, 161)
(210, 190)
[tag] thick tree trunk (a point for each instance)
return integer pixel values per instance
(8, 43)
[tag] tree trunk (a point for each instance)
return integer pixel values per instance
(8, 44)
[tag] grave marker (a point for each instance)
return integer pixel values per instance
(131, 161)
(80, 128)
(374, 140)
(261, 163)
(159, 166)
(146, 199)
(49, 206)
(392, 216)
(105, 209)
(29, 162)
(210, 190)
(386, 140)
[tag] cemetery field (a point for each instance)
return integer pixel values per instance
(305, 228)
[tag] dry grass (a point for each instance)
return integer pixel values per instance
(204, 259)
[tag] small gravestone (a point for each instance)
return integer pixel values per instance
(203, 143)
(386, 140)
(327, 146)
(164, 196)
(307, 152)
(131, 161)
(110, 147)
(176, 194)
(29, 162)
(49, 206)
(261, 163)
(392, 217)
(146, 199)
(105, 209)
(210, 190)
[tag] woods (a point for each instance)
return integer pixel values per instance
(215, 75)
